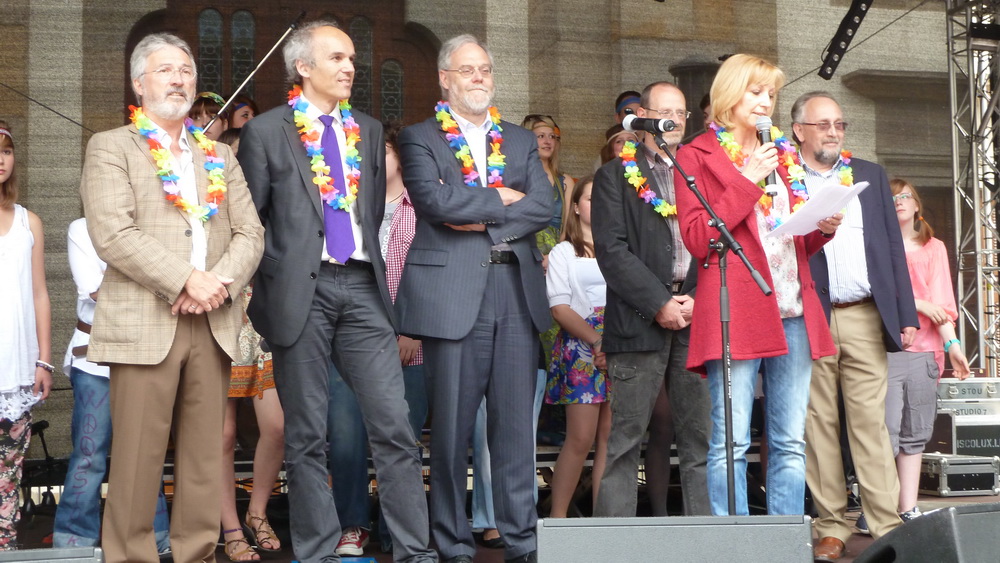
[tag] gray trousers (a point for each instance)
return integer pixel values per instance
(636, 378)
(498, 360)
(348, 323)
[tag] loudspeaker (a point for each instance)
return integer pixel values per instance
(716, 539)
(958, 534)
(56, 555)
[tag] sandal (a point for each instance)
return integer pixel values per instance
(234, 549)
(263, 533)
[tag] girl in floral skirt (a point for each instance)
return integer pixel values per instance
(577, 372)
(25, 345)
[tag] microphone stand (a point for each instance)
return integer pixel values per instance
(250, 76)
(722, 246)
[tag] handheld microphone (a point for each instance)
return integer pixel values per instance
(764, 134)
(633, 123)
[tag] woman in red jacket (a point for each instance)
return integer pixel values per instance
(779, 334)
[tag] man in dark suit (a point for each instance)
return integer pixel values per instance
(473, 290)
(863, 283)
(644, 261)
(320, 292)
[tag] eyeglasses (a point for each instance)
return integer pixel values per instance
(825, 125)
(166, 73)
(551, 136)
(670, 113)
(466, 71)
(898, 197)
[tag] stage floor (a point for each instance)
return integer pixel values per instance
(35, 531)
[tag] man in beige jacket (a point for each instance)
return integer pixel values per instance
(175, 223)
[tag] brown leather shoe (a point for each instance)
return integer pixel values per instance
(828, 549)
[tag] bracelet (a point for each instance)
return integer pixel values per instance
(950, 342)
(44, 365)
(596, 343)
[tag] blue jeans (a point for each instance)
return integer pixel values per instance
(78, 517)
(348, 455)
(786, 388)
(482, 475)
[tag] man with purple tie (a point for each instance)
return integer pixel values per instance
(316, 173)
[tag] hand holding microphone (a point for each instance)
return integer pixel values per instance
(768, 155)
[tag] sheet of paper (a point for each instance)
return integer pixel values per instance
(829, 200)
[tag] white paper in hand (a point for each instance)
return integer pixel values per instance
(828, 201)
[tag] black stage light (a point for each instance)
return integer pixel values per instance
(842, 40)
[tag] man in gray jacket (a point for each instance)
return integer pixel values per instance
(473, 290)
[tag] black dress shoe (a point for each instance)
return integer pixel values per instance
(530, 557)
(459, 559)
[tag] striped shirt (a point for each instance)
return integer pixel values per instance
(663, 180)
(845, 254)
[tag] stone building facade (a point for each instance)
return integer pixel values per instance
(565, 58)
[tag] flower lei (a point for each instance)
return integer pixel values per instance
(641, 184)
(495, 161)
(311, 141)
(794, 173)
(165, 160)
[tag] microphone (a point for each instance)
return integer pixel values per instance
(764, 134)
(633, 123)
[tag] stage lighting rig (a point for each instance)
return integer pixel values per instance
(842, 40)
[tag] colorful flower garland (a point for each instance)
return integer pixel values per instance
(640, 183)
(794, 174)
(165, 160)
(311, 141)
(495, 161)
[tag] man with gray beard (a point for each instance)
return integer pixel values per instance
(473, 290)
(170, 213)
(864, 285)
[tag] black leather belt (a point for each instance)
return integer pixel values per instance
(360, 264)
(351, 262)
(851, 303)
(503, 257)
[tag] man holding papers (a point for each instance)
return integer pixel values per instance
(862, 281)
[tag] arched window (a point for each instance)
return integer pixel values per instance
(210, 51)
(395, 60)
(392, 90)
(242, 42)
(361, 33)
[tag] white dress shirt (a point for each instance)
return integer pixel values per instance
(188, 185)
(845, 254)
(475, 136)
(88, 273)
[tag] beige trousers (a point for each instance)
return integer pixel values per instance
(860, 370)
(187, 389)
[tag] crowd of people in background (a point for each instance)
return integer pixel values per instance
(351, 279)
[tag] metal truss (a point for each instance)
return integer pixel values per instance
(973, 33)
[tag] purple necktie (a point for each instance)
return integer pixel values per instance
(337, 222)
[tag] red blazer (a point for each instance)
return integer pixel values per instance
(755, 328)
